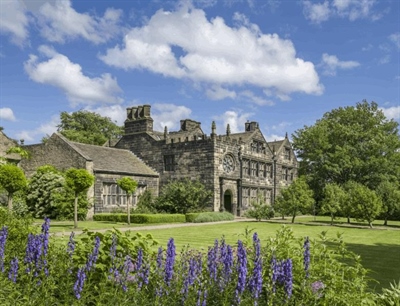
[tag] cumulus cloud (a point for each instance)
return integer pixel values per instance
(392, 112)
(60, 72)
(13, 21)
(251, 97)
(58, 22)
(330, 64)
(348, 9)
(45, 129)
(395, 38)
(218, 93)
(213, 54)
(117, 113)
(168, 115)
(235, 118)
(7, 113)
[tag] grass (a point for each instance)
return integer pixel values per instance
(379, 249)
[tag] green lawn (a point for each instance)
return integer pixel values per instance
(379, 249)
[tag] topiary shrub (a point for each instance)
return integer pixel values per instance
(209, 217)
(140, 218)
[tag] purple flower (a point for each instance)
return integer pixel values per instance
(255, 283)
(91, 263)
(80, 281)
(159, 258)
(282, 274)
(45, 235)
(241, 269)
(169, 262)
(71, 245)
(212, 260)
(3, 239)
(13, 273)
(306, 247)
(316, 287)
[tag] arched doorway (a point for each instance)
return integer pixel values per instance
(228, 201)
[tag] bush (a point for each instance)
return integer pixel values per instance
(141, 218)
(260, 211)
(209, 217)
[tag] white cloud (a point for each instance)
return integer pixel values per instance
(7, 113)
(213, 54)
(250, 96)
(392, 112)
(348, 9)
(59, 22)
(395, 38)
(235, 118)
(60, 72)
(13, 21)
(168, 115)
(218, 93)
(44, 129)
(274, 137)
(317, 12)
(117, 113)
(330, 64)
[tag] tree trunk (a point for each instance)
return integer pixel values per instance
(76, 212)
(370, 224)
(348, 220)
(294, 216)
(10, 201)
(385, 222)
(129, 210)
(331, 219)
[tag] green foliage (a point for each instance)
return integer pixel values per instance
(140, 218)
(18, 230)
(44, 188)
(298, 197)
(12, 179)
(366, 205)
(389, 193)
(349, 143)
(18, 150)
(182, 196)
(79, 180)
(88, 127)
(145, 203)
(127, 184)
(260, 209)
(334, 197)
(390, 296)
(49, 196)
(209, 217)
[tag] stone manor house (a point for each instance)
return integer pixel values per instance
(237, 167)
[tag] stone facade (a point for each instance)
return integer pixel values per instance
(235, 167)
(5, 144)
(105, 163)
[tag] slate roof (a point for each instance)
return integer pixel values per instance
(111, 159)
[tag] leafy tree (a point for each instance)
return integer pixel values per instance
(79, 180)
(298, 197)
(389, 193)
(12, 179)
(44, 188)
(88, 127)
(129, 185)
(182, 196)
(334, 197)
(349, 143)
(260, 209)
(146, 203)
(365, 203)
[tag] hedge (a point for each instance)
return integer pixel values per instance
(209, 217)
(140, 218)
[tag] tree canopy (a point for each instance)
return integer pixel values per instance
(129, 185)
(88, 127)
(349, 144)
(12, 179)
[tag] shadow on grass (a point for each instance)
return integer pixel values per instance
(356, 224)
(381, 260)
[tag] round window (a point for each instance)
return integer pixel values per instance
(228, 163)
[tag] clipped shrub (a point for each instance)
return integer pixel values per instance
(190, 217)
(260, 211)
(141, 218)
(209, 217)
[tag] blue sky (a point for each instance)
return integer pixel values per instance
(281, 63)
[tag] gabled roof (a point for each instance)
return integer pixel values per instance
(111, 159)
